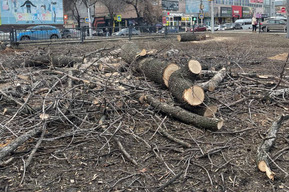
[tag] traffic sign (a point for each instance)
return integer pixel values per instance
(118, 18)
(201, 15)
(86, 20)
(283, 10)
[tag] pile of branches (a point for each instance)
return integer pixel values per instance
(52, 96)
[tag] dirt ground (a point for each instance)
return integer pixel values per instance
(81, 151)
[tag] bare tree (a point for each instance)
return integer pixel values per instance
(146, 10)
(113, 7)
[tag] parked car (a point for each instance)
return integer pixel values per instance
(200, 28)
(98, 32)
(238, 26)
(39, 32)
(125, 31)
(70, 33)
(229, 26)
(169, 30)
(221, 27)
(274, 24)
(209, 28)
(4, 36)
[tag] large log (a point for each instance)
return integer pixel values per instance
(179, 81)
(52, 60)
(185, 116)
(267, 144)
(184, 90)
(191, 37)
(129, 51)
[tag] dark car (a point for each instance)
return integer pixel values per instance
(238, 26)
(39, 32)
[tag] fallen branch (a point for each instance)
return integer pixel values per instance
(215, 81)
(179, 113)
(267, 144)
(19, 141)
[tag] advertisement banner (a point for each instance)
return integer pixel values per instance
(247, 12)
(236, 11)
(170, 5)
(31, 12)
(193, 6)
(226, 11)
(255, 1)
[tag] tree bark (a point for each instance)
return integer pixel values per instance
(53, 60)
(191, 37)
(214, 81)
(184, 90)
(129, 51)
(183, 115)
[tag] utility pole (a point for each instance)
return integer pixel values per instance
(287, 10)
(212, 16)
(89, 18)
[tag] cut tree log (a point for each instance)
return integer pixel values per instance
(129, 51)
(191, 37)
(53, 60)
(184, 90)
(214, 81)
(267, 144)
(185, 116)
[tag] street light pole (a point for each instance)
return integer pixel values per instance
(212, 16)
(287, 10)
(89, 18)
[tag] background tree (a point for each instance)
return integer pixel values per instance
(148, 11)
(113, 7)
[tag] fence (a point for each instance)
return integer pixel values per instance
(50, 33)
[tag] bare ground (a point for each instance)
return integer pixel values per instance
(78, 153)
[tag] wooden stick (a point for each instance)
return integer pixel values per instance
(267, 144)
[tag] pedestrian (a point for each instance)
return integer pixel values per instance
(254, 24)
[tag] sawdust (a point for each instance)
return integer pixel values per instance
(280, 57)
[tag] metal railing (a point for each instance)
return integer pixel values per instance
(83, 34)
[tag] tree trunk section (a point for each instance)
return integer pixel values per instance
(129, 51)
(191, 37)
(54, 60)
(184, 90)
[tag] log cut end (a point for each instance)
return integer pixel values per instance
(195, 67)
(179, 38)
(168, 72)
(194, 95)
(262, 166)
(210, 111)
(220, 124)
(142, 53)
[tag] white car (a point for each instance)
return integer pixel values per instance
(209, 28)
(4, 36)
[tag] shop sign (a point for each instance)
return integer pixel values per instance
(226, 12)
